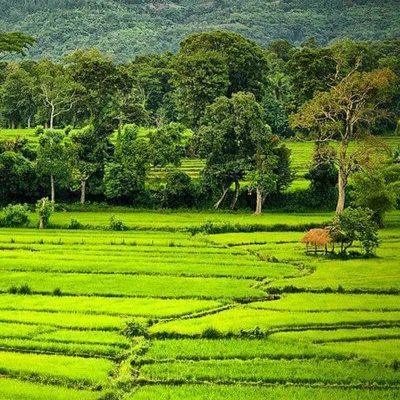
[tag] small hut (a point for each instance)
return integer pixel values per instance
(317, 240)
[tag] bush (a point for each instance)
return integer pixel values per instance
(68, 129)
(134, 328)
(57, 292)
(23, 289)
(45, 208)
(116, 224)
(75, 224)
(39, 130)
(15, 215)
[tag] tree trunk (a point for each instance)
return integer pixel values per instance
(342, 177)
(236, 196)
(29, 121)
(259, 202)
(83, 191)
(41, 224)
(218, 203)
(51, 117)
(52, 188)
(342, 192)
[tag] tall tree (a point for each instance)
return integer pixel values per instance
(52, 160)
(339, 114)
(56, 89)
(17, 96)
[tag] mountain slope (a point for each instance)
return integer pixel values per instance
(126, 28)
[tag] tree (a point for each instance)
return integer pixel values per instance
(376, 189)
(224, 140)
(56, 89)
(323, 175)
(165, 145)
(18, 178)
(17, 96)
(83, 151)
(14, 42)
(356, 224)
(245, 61)
(200, 78)
(125, 176)
(52, 160)
(340, 113)
(45, 208)
(235, 142)
(97, 78)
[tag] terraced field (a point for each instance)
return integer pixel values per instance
(158, 312)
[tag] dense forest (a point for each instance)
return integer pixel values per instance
(125, 28)
(103, 127)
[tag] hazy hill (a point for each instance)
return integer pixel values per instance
(130, 27)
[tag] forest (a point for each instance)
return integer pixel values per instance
(103, 131)
(126, 28)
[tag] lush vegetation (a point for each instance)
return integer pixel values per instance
(127, 28)
(152, 310)
(108, 302)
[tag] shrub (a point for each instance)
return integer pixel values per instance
(116, 224)
(134, 328)
(57, 292)
(211, 333)
(68, 129)
(45, 208)
(39, 130)
(23, 289)
(15, 215)
(75, 224)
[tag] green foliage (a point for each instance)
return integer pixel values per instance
(152, 29)
(358, 224)
(116, 224)
(15, 216)
(45, 208)
(134, 328)
(371, 190)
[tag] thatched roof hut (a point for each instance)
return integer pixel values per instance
(317, 238)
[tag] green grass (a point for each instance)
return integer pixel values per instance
(223, 349)
(71, 348)
(235, 319)
(89, 371)
(184, 285)
(100, 305)
(268, 371)
(386, 351)
(337, 335)
(223, 392)
(13, 389)
(64, 320)
(330, 302)
(131, 285)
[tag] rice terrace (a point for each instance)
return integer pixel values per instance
(199, 200)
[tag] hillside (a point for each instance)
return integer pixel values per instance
(126, 28)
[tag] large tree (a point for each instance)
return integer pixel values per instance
(56, 89)
(235, 142)
(340, 113)
(52, 160)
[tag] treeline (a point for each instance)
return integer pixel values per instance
(236, 97)
(126, 28)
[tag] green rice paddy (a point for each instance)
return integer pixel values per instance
(239, 315)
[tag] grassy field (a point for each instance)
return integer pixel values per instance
(243, 314)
